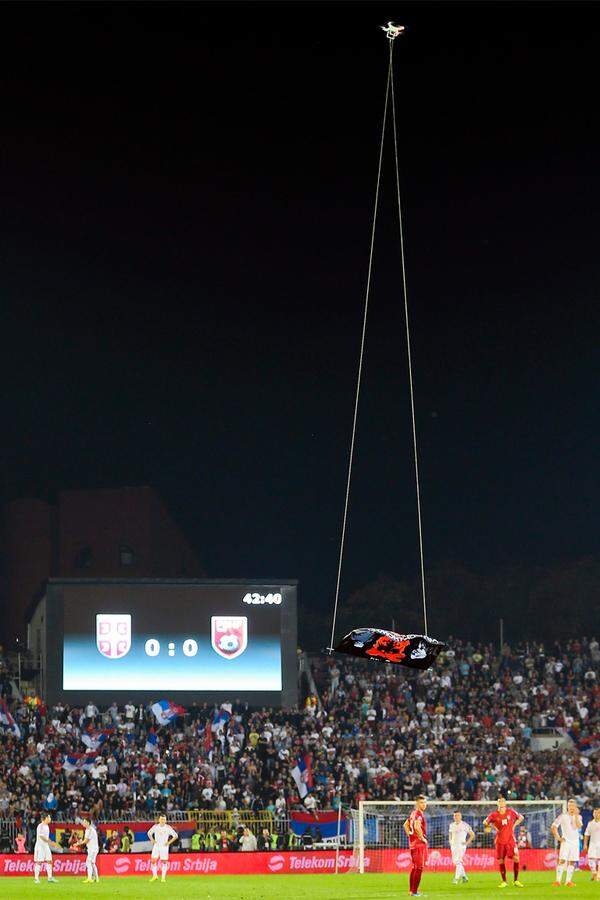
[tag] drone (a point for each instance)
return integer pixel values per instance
(392, 30)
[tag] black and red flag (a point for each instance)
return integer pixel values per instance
(417, 651)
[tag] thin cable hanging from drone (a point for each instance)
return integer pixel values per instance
(418, 651)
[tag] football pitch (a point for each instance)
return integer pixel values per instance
(290, 887)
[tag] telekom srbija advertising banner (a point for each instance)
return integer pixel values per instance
(284, 863)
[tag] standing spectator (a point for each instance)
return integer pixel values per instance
(248, 841)
(223, 844)
(91, 711)
(265, 840)
(20, 843)
(127, 840)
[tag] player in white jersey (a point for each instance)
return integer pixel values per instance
(90, 842)
(460, 835)
(591, 844)
(162, 836)
(570, 823)
(41, 851)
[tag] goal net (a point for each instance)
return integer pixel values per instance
(381, 845)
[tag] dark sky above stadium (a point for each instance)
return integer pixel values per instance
(186, 193)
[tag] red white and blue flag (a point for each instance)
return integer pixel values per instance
(302, 775)
(326, 822)
(7, 720)
(76, 762)
(151, 745)
(221, 717)
(165, 711)
(93, 738)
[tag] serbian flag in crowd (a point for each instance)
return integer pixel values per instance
(151, 745)
(221, 717)
(94, 738)
(326, 822)
(165, 711)
(76, 762)
(7, 720)
(302, 775)
(587, 746)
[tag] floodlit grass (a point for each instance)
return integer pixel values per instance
(302, 887)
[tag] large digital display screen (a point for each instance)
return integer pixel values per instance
(164, 639)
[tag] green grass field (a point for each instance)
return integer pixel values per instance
(290, 887)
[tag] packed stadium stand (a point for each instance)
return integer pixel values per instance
(466, 729)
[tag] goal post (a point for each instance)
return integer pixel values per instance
(377, 828)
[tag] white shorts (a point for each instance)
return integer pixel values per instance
(42, 852)
(569, 851)
(161, 853)
(458, 854)
(593, 851)
(91, 856)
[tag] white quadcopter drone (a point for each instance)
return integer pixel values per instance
(392, 30)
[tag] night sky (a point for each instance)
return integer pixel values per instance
(186, 197)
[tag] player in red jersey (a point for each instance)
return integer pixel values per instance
(505, 820)
(416, 830)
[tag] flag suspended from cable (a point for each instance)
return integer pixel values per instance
(417, 651)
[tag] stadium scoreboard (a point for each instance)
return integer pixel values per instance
(202, 640)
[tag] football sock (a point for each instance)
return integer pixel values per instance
(164, 868)
(49, 870)
(154, 870)
(559, 872)
(570, 870)
(502, 871)
(95, 871)
(36, 871)
(516, 870)
(418, 873)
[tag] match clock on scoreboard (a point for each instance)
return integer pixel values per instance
(261, 599)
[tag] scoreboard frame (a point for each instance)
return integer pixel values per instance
(53, 627)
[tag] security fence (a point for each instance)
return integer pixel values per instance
(286, 833)
(227, 820)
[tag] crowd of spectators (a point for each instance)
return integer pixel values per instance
(461, 730)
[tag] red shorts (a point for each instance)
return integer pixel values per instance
(419, 856)
(506, 851)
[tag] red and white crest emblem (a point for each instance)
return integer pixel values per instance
(229, 635)
(113, 634)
